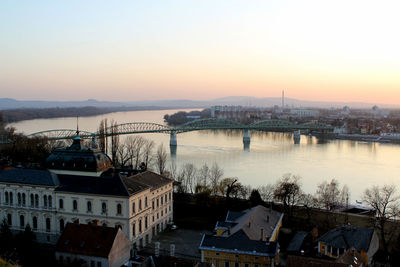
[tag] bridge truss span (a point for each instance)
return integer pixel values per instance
(209, 124)
(61, 134)
(137, 127)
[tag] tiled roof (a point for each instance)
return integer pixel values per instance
(254, 221)
(240, 243)
(112, 186)
(234, 215)
(27, 176)
(296, 261)
(297, 241)
(152, 179)
(90, 240)
(349, 236)
(132, 185)
(351, 257)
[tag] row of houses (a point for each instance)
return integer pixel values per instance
(250, 239)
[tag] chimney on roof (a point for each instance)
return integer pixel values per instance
(262, 234)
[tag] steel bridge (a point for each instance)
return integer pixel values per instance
(195, 125)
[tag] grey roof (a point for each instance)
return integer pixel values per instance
(28, 176)
(254, 221)
(297, 241)
(132, 185)
(224, 224)
(233, 215)
(152, 179)
(349, 236)
(112, 186)
(239, 242)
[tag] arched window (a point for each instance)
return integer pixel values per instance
(19, 199)
(34, 222)
(133, 229)
(75, 205)
(45, 201)
(162, 200)
(119, 209)
(61, 203)
(37, 201)
(61, 225)
(11, 198)
(9, 219)
(145, 223)
(103, 207)
(50, 201)
(140, 225)
(165, 198)
(145, 202)
(21, 221)
(48, 224)
(89, 206)
(23, 199)
(32, 200)
(7, 199)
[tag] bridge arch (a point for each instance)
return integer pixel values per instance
(272, 125)
(138, 127)
(61, 134)
(209, 124)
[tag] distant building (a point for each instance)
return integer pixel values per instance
(97, 246)
(339, 240)
(246, 238)
(304, 113)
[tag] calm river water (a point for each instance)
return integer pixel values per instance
(271, 155)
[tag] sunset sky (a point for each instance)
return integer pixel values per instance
(152, 50)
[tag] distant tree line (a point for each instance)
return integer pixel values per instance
(181, 117)
(14, 115)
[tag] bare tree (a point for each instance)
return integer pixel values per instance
(102, 135)
(288, 190)
(266, 192)
(161, 159)
(114, 141)
(189, 174)
(215, 175)
(147, 152)
(385, 201)
(203, 175)
(328, 194)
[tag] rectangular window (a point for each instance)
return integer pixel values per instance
(99, 264)
(140, 204)
(133, 207)
(226, 264)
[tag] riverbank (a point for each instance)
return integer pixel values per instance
(368, 138)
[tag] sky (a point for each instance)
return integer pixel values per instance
(342, 50)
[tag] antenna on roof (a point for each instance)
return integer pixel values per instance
(77, 125)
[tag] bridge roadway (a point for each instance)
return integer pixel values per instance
(195, 125)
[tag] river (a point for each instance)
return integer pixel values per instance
(357, 164)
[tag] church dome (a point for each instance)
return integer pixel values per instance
(78, 158)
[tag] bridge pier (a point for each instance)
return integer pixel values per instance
(296, 137)
(246, 139)
(172, 139)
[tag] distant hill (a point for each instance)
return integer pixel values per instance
(9, 103)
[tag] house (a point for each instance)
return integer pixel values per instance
(97, 246)
(339, 240)
(247, 238)
(298, 261)
(80, 187)
(351, 258)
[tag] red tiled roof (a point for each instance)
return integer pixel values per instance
(296, 261)
(84, 239)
